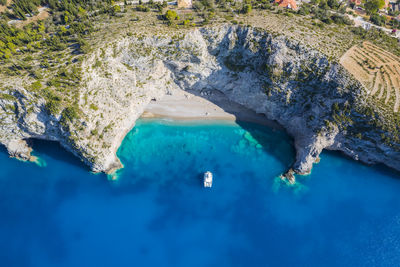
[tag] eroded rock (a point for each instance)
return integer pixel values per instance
(317, 101)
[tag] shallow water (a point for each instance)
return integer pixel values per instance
(158, 213)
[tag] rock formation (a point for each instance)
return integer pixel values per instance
(317, 101)
(184, 3)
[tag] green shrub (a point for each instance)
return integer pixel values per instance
(142, 8)
(70, 113)
(377, 19)
(94, 132)
(372, 6)
(7, 97)
(171, 16)
(247, 9)
(93, 106)
(53, 106)
(36, 86)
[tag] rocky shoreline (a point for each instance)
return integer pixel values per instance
(316, 101)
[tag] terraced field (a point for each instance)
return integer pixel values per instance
(377, 69)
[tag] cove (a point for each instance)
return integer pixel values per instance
(158, 214)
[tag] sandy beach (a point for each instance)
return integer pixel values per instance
(184, 105)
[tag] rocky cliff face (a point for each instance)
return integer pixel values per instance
(316, 101)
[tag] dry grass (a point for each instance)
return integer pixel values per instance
(42, 15)
(3, 8)
(332, 40)
(377, 69)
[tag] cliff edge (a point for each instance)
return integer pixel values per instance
(317, 101)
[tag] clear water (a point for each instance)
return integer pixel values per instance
(158, 213)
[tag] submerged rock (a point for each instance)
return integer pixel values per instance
(289, 177)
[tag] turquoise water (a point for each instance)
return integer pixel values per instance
(158, 214)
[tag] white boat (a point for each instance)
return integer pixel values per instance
(208, 178)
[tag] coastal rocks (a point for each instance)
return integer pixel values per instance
(295, 86)
(20, 119)
(120, 98)
(309, 147)
(19, 149)
(288, 177)
(317, 101)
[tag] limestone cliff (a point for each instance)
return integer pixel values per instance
(315, 100)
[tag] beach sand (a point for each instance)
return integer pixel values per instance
(184, 105)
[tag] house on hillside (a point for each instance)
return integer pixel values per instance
(356, 2)
(291, 4)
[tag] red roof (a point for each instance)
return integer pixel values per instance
(356, 2)
(287, 3)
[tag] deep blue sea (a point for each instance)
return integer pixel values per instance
(57, 213)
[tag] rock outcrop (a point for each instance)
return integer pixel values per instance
(317, 101)
(184, 3)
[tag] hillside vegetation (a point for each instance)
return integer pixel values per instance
(45, 57)
(83, 75)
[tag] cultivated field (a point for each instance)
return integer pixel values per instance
(377, 69)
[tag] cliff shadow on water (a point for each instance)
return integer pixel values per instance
(225, 88)
(378, 167)
(273, 139)
(45, 149)
(259, 130)
(3, 150)
(284, 80)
